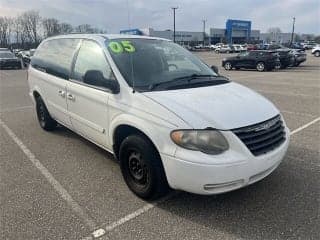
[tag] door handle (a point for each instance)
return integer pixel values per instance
(62, 93)
(71, 97)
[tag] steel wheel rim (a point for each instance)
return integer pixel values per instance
(41, 114)
(228, 66)
(137, 169)
(260, 66)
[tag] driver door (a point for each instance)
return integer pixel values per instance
(88, 103)
(242, 60)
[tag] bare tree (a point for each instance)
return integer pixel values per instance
(30, 23)
(274, 33)
(83, 28)
(5, 31)
(51, 26)
(65, 28)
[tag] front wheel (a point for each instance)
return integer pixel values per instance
(228, 66)
(44, 118)
(142, 167)
(260, 66)
(317, 53)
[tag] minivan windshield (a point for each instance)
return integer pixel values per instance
(151, 64)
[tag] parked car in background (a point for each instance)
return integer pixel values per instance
(285, 54)
(223, 49)
(256, 59)
(251, 47)
(299, 55)
(309, 45)
(216, 46)
(9, 60)
(16, 51)
(236, 47)
(26, 56)
(294, 45)
(316, 50)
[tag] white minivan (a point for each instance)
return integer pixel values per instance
(170, 120)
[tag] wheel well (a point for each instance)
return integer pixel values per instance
(121, 133)
(36, 95)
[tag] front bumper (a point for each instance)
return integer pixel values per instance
(287, 61)
(237, 171)
(300, 59)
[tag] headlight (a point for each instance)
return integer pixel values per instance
(206, 141)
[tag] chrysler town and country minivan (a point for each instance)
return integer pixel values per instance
(170, 120)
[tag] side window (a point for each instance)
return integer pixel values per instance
(252, 54)
(55, 57)
(91, 66)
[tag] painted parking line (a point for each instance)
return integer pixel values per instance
(54, 183)
(4, 73)
(3, 110)
(298, 113)
(109, 227)
(304, 126)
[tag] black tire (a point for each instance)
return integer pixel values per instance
(317, 54)
(142, 167)
(228, 66)
(260, 66)
(282, 66)
(45, 120)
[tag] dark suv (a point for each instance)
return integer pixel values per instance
(256, 59)
(285, 55)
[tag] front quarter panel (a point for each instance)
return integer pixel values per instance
(149, 117)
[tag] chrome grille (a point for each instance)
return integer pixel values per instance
(263, 137)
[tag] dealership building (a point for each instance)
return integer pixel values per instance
(235, 31)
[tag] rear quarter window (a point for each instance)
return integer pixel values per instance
(55, 57)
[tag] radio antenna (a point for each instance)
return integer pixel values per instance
(130, 55)
(128, 12)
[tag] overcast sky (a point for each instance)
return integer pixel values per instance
(112, 15)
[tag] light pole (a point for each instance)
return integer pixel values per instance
(204, 30)
(174, 23)
(294, 21)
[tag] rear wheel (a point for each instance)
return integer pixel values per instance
(44, 118)
(260, 66)
(142, 167)
(317, 53)
(228, 66)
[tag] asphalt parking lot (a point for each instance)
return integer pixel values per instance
(58, 185)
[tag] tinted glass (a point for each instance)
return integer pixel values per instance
(55, 56)
(91, 58)
(6, 55)
(146, 62)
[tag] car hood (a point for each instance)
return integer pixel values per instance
(225, 106)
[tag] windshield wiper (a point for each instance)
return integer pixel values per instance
(188, 78)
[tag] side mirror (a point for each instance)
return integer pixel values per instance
(215, 69)
(96, 78)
